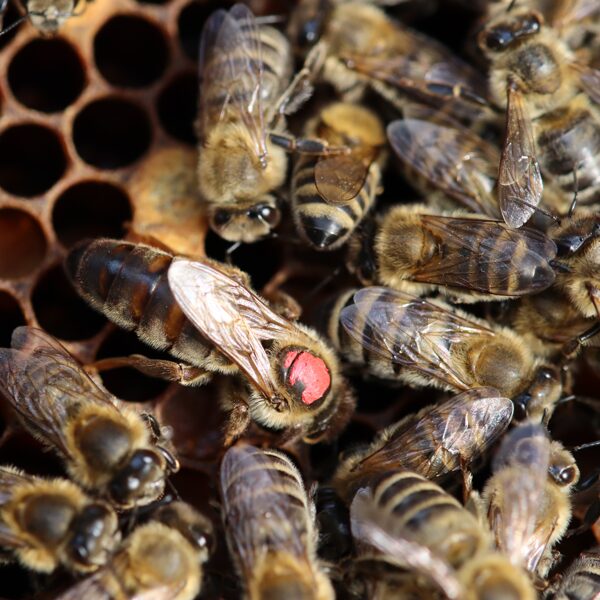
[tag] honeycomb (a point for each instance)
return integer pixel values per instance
(97, 139)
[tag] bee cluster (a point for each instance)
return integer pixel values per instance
(300, 300)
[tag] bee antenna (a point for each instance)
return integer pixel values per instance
(511, 5)
(335, 273)
(13, 25)
(585, 446)
(173, 489)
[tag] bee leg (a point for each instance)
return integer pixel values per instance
(311, 146)
(168, 370)
(467, 480)
(301, 88)
(237, 422)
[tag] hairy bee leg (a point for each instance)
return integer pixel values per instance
(306, 145)
(168, 370)
(467, 480)
(301, 87)
(237, 422)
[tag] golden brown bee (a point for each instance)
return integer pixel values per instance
(397, 336)
(365, 47)
(270, 526)
(415, 524)
(106, 445)
(578, 243)
(205, 314)
(161, 560)
(467, 257)
(581, 581)
(50, 522)
(332, 194)
(433, 442)
(552, 124)
(527, 498)
(245, 69)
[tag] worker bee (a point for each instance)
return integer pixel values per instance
(245, 69)
(205, 314)
(47, 16)
(270, 526)
(50, 522)
(367, 48)
(578, 243)
(161, 560)
(397, 336)
(332, 194)
(467, 257)
(527, 497)
(106, 445)
(552, 123)
(433, 442)
(414, 524)
(581, 581)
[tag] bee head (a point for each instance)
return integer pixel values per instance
(512, 29)
(307, 23)
(95, 535)
(305, 375)
(248, 224)
(140, 481)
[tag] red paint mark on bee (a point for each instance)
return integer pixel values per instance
(309, 373)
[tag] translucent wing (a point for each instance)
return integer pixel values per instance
(339, 178)
(45, 384)
(231, 316)
(410, 332)
(568, 12)
(520, 470)
(436, 440)
(590, 82)
(231, 73)
(370, 527)
(94, 587)
(260, 517)
(520, 182)
(488, 256)
(453, 160)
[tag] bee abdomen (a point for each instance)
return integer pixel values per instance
(323, 225)
(128, 283)
(570, 152)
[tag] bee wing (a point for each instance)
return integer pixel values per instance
(452, 159)
(410, 332)
(515, 514)
(43, 383)
(520, 182)
(339, 178)
(513, 256)
(231, 73)
(257, 512)
(93, 587)
(10, 479)
(369, 526)
(571, 11)
(590, 82)
(228, 314)
(464, 426)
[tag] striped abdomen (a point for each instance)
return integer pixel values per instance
(423, 512)
(275, 60)
(569, 150)
(128, 284)
(582, 579)
(323, 225)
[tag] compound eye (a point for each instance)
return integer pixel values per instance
(266, 213)
(306, 374)
(221, 218)
(531, 24)
(498, 39)
(568, 475)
